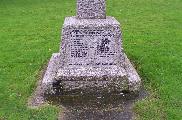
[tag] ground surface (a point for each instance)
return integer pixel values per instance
(30, 33)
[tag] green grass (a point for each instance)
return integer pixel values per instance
(152, 36)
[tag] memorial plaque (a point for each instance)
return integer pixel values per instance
(92, 47)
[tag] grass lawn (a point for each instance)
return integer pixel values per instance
(152, 34)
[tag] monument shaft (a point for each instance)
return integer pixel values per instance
(91, 9)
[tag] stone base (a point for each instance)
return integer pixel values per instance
(91, 58)
(92, 79)
(122, 80)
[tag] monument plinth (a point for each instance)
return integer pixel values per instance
(91, 55)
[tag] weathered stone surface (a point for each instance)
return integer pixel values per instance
(128, 79)
(134, 81)
(92, 79)
(50, 74)
(91, 9)
(91, 56)
(91, 42)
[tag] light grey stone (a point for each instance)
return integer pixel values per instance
(91, 56)
(53, 65)
(134, 81)
(128, 80)
(50, 73)
(91, 42)
(91, 9)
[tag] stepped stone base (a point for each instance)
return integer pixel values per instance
(91, 58)
(128, 81)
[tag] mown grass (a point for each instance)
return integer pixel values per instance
(152, 35)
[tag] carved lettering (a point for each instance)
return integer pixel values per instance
(92, 47)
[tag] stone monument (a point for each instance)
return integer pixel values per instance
(91, 56)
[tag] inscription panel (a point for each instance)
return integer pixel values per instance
(91, 47)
